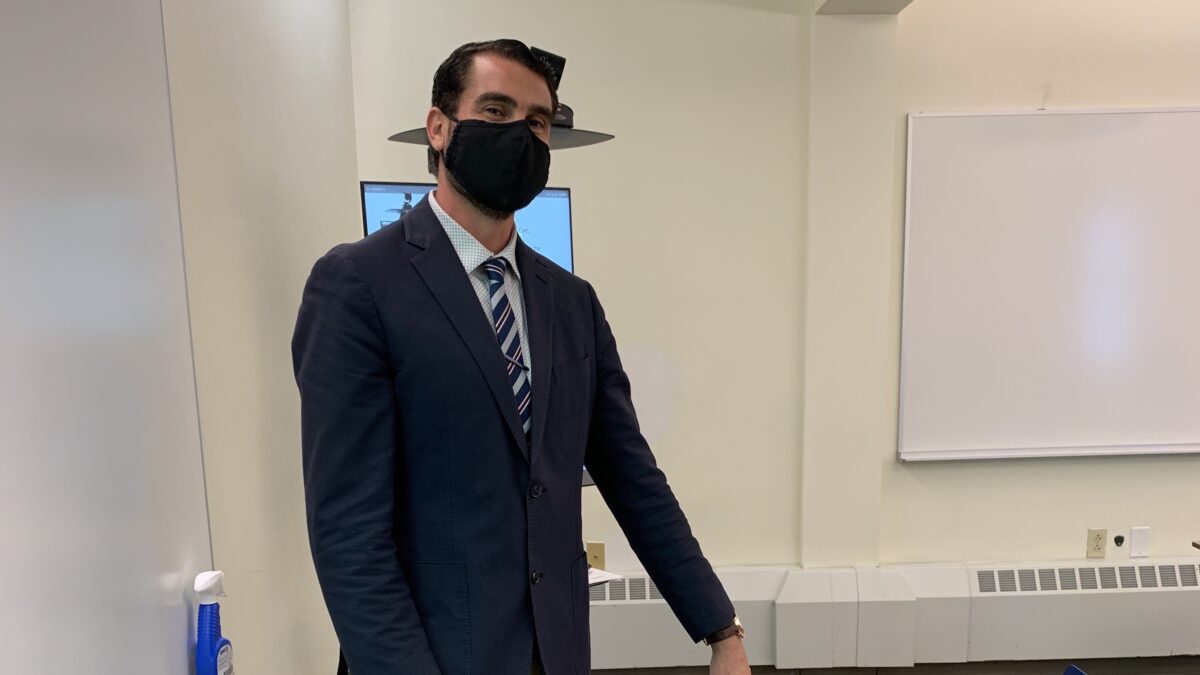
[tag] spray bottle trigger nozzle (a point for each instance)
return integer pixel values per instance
(210, 586)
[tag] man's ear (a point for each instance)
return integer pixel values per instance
(437, 126)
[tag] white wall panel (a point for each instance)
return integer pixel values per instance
(102, 507)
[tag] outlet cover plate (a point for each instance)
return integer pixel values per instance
(1139, 542)
(1097, 542)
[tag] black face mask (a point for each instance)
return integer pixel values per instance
(500, 166)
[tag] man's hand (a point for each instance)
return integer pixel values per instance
(729, 658)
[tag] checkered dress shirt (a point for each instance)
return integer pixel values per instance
(473, 254)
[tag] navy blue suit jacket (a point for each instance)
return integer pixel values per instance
(443, 541)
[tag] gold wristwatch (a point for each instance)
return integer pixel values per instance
(729, 631)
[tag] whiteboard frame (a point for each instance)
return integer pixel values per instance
(1007, 453)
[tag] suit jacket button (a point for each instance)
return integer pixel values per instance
(535, 577)
(536, 491)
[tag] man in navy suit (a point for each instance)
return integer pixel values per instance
(453, 382)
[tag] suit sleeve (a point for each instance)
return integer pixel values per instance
(636, 491)
(348, 423)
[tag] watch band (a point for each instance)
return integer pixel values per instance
(727, 632)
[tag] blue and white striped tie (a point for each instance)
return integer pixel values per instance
(504, 320)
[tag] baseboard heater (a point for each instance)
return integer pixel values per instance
(903, 615)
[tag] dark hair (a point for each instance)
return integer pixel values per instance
(451, 77)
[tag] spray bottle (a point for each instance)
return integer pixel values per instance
(214, 653)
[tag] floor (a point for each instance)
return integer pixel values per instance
(1179, 665)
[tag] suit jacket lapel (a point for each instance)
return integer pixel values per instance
(442, 271)
(539, 314)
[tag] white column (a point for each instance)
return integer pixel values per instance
(848, 333)
(263, 108)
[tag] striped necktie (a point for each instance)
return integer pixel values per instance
(504, 320)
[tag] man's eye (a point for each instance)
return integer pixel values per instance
(493, 110)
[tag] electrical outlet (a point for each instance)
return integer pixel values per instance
(595, 554)
(1097, 542)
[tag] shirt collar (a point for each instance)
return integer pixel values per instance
(470, 252)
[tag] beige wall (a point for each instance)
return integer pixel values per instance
(753, 141)
(1024, 54)
(264, 134)
(695, 208)
(860, 505)
(816, 377)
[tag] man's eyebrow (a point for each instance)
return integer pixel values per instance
(542, 110)
(496, 97)
(505, 99)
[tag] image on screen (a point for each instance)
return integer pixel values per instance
(544, 225)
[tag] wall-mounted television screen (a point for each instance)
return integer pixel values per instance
(544, 225)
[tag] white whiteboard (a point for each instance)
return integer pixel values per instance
(1051, 285)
